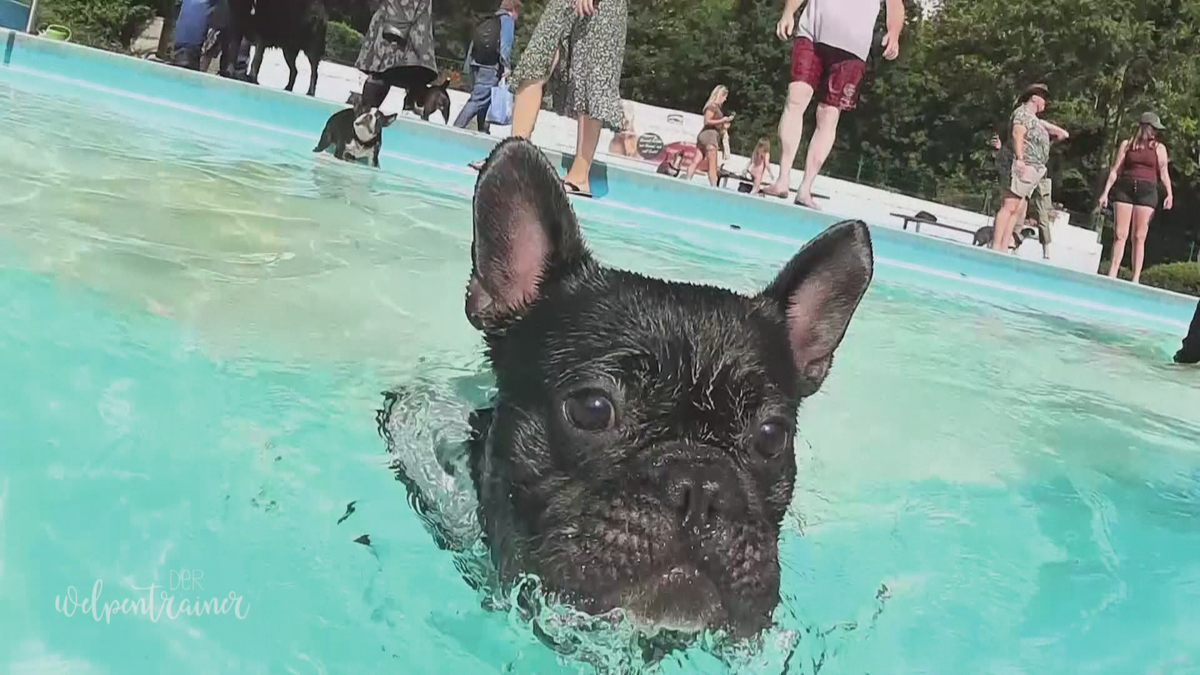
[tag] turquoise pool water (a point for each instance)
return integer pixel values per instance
(196, 322)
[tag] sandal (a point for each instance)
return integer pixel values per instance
(573, 189)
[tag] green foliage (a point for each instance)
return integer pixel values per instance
(342, 43)
(1181, 277)
(108, 24)
(1122, 272)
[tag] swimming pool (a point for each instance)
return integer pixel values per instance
(197, 317)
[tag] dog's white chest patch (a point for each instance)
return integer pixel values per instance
(357, 150)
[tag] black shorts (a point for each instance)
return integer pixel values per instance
(1133, 191)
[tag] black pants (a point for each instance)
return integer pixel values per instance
(377, 86)
(1191, 343)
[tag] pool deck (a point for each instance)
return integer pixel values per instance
(218, 105)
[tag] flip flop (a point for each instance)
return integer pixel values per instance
(573, 189)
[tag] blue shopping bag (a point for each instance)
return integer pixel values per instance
(500, 110)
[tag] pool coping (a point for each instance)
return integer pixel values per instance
(619, 190)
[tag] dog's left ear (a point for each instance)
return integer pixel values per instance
(386, 120)
(818, 291)
(526, 234)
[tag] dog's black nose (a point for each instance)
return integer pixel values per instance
(702, 494)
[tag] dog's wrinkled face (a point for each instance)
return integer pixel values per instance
(640, 453)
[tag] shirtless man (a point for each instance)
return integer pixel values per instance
(830, 45)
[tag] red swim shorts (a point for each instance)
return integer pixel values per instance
(834, 74)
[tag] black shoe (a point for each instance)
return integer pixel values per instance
(1186, 357)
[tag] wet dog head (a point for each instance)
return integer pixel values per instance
(640, 453)
(369, 123)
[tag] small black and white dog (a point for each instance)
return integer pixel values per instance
(425, 100)
(638, 451)
(985, 234)
(355, 133)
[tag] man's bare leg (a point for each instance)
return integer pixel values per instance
(791, 128)
(819, 147)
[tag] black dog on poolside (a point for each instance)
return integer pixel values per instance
(293, 26)
(355, 133)
(425, 100)
(638, 452)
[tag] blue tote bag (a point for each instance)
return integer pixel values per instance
(500, 111)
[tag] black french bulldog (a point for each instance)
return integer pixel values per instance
(638, 452)
(355, 133)
(425, 100)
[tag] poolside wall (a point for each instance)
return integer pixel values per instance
(216, 103)
(1074, 248)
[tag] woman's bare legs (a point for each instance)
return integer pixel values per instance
(1141, 227)
(587, 136)
(695, 165)
(1006, 220)
(713, 166)
(527, 102)
(1122, 216)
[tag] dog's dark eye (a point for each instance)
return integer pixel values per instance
(590, 410)
(772, 438)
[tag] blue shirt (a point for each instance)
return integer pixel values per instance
(507, 31)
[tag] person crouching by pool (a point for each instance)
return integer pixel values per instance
(1190, 353)
(709, 140)
(1022, 162)
(760, 163)
(1132, 188)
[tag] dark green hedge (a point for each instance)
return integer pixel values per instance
(1181, 277)
(107, 24)
(342, 43)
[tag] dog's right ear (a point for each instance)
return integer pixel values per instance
(526, 234)
(354, 99)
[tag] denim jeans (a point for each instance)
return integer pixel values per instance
(483, 79)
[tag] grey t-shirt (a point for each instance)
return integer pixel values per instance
(848, 25)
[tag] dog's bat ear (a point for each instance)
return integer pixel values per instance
(354, 99)
(526, 234)
(818, 292)
(386, 120)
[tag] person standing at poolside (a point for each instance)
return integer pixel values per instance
(1043, 206)
(709, 139)
(1133, 188)
(397, 49)
(1021, 165)
(577, 49)
(830, 45)
(487, 63)
(1190, 353)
